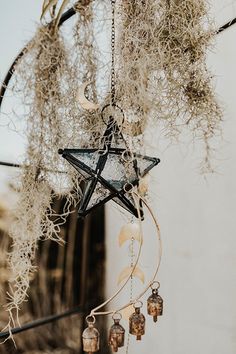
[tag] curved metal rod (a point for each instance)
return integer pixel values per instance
(43, 321)
(226, 26)
(94, 311)
(11, 164)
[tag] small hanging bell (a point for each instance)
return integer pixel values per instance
(137, 322)
(117, 333)
(155, 303)
(90, 336)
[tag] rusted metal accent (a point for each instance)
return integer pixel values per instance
(137, 323)
(155, 305)
(91, 338)
(116, 335)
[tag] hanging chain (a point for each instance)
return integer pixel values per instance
(132, 262)
(127, 345)
(131, 265)
(113, 90)
(131, 286)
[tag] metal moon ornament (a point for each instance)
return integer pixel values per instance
(130, 231)
(83, 101)
(137, 273)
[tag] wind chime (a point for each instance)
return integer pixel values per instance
(114, 172)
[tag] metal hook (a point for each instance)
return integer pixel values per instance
(93, 319)
(157, 287)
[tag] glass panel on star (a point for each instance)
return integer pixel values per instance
(84, 174)
(100, 193)
(144, 164)
(117, 172)
(90, 159)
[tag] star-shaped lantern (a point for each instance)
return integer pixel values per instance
(109, 173)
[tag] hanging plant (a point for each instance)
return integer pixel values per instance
(50, 7)
(163, 75)
(48, 96)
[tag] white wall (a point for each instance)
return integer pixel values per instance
(17, 26)
(197, 218)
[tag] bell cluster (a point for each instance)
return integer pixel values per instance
(91, 336)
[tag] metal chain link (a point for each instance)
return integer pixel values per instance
(113, 90)
(127, 345)
(131, 287)
(131, 265)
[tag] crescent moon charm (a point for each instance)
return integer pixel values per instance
(83, 101)
(138, 273)
(128, 232)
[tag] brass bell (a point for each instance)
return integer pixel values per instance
(137, 322)
(117, 333)
(155, 303)
(90, 336)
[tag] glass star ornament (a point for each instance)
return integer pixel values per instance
(109, 173)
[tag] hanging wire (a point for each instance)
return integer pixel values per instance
(113, 34)
(131, 289)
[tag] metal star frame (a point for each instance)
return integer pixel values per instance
(109, 173)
